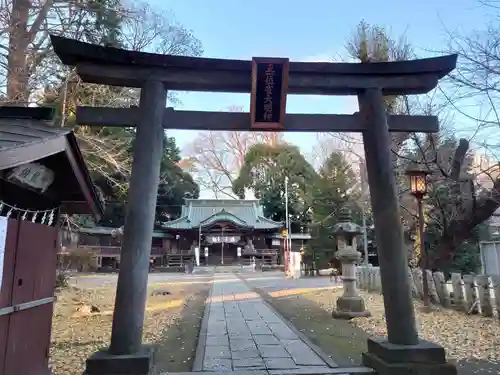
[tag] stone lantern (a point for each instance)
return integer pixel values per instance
(350, 304)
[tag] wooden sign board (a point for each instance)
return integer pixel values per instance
(269, 88)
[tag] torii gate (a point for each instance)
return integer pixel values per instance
(402, 351)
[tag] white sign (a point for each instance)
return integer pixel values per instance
(490, 258)
(34, 175)
(239, 251)
(3, 240)
(223, 239)
(206, 252)
(197, 255)
(296, 259)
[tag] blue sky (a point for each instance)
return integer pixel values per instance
(308, 31)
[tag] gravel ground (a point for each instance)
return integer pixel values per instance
(172, 324)
(471, 340)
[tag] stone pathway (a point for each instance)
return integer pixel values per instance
(242, 333)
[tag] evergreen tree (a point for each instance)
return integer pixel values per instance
(334, 188)
(265, 169)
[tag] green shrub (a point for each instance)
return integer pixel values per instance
(62, 279)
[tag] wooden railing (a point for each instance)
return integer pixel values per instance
(243, 252)
(259, 252)
(179, 252)
(115, 250)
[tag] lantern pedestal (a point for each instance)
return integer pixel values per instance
(350, 305)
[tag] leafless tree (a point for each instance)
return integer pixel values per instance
(472, 93)
(29, 71)
(464, 207)
(217, 157)
(26, 59)
(473, 90)
(350, 145)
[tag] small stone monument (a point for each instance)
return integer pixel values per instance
(350, 305)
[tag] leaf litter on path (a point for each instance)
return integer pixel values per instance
(472, 340)
(171, 323)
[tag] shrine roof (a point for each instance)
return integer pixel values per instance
(27, 135)
(207, 212)
(102, 230)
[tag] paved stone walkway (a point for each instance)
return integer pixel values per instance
(243, 333)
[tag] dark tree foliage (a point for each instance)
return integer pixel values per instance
(265, 170)
(334, 189)
(174, 186)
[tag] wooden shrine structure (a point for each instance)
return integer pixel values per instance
(402, 352)
(42, 176)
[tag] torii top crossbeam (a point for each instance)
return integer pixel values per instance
(119, 67)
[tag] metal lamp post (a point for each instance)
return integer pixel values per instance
(302, 251)
(286, 240)
(418, 188)
(350, 304)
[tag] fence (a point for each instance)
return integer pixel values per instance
(111, 251)
(479, 294)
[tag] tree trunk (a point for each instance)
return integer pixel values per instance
(444, 253)
(459, 230)
(17, 74)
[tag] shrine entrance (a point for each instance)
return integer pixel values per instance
(222, 253)
(269, 81)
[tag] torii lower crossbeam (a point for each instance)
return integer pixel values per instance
(294, 122)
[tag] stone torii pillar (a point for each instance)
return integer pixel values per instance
(126, 354)
(402, 352)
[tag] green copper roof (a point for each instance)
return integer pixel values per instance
(224, 216)
(206, 212)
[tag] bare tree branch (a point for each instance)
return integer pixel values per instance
(217, 157)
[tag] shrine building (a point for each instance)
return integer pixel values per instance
(227, 232)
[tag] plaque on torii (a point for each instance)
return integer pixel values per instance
(268, 95)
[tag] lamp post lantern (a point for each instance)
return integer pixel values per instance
(350, 304)
(418, 188)
(418, 182)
